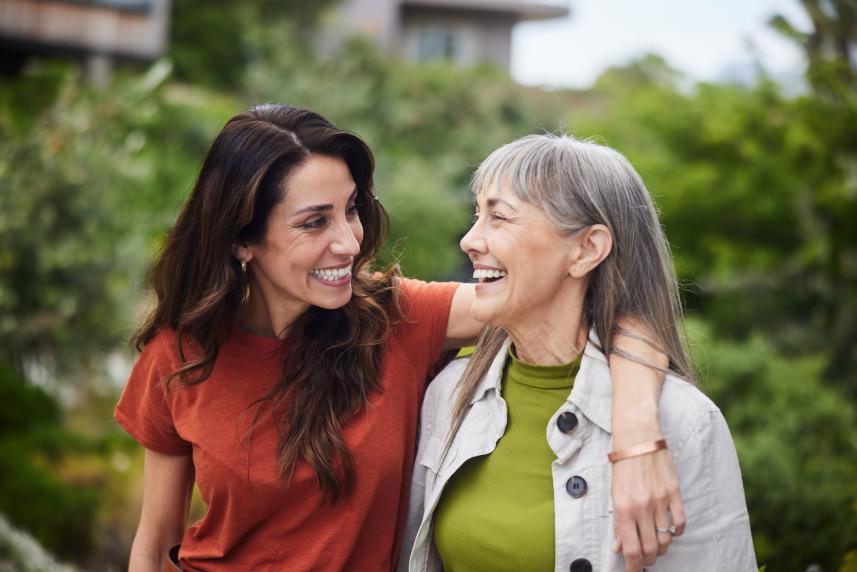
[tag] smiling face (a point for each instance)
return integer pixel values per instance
(521, 260)
(311, 239)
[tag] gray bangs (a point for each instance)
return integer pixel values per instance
(578, 184)
(567, 178)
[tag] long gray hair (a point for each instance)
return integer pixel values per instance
(578, 184)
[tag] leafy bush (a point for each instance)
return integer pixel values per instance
(796, 437)
(32, 443)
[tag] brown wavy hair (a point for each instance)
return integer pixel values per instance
(333, 357)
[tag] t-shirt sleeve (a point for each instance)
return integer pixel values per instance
(425, 306)
(144, 408)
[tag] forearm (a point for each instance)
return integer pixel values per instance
(147, 558)
(636, 387)
(152, 543)
(462, 329)
(167, 491)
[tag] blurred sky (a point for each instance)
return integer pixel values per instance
(706, 39)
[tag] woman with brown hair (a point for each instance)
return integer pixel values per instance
(283, 377)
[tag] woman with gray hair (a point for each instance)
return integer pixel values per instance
(516, 474)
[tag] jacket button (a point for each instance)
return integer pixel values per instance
(581, 565)
(576, 487)
(567, 422)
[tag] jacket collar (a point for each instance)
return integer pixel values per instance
(493, 378)
(592, 393)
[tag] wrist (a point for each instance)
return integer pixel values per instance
(632, 425)
(642, 412)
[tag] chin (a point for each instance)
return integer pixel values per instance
(483, 314)
(334, 303)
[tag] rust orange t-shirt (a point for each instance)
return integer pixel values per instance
(252, 522)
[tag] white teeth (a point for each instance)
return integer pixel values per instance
(331, 274)
(480, 273)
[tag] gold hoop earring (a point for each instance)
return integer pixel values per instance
(245, 291)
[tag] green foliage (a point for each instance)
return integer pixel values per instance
(208, 42)
(84, 186)
(797, 442)
(758, 194)
(32, 444)
(828, 45)
(18, 402)
(63, 187)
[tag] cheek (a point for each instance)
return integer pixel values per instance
(357, 229)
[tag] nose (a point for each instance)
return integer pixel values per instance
(347, 240)
(473, 242)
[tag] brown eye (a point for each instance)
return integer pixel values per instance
(315, 223)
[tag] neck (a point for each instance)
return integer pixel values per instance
(554, 334)
(265, 313)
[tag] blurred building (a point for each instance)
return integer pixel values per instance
(97, 32)
(465, 32)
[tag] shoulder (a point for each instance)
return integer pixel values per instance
(165, 340)
(444, 384)
(689, 418)
(679, 396)
(440, 397)
(161, 353)
(163, 344)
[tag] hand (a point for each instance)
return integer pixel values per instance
(645, 495)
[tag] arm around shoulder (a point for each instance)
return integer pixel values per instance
(462, 329)
(167, 487)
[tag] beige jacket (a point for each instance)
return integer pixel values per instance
(717, 535)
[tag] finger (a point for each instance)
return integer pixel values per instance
(617, 544)
(648, 539)
(662, 521)
(677, 512)
(630, 541)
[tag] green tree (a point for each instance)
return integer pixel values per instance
(832, 72)
(59, 514)
(208, 39)
(797, 442)
(828, 45)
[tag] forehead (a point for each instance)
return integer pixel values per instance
(319, 179)
(495, 192)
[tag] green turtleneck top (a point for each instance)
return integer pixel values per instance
(497, 511)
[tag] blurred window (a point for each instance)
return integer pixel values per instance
(133, 5)
(438, 42)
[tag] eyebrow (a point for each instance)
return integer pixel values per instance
(494, 201)
(324, 207)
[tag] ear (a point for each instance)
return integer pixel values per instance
(242, 251)
(594, 245)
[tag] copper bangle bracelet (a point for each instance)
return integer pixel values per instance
(637, 450)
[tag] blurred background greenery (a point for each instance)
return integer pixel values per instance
(757, 189)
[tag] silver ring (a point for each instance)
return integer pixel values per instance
(670, 530)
